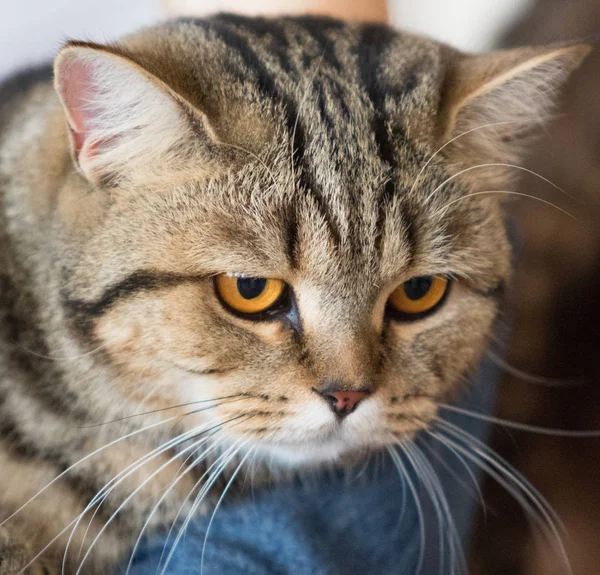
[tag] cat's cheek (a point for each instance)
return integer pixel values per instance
(117, 329)
(376, 424)
(151, 333)
(273, 332)
(126, 341)
(119, 335)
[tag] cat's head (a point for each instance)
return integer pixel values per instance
(265, 213)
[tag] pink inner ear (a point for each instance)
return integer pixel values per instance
(77, 89)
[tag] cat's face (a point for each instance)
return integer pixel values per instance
(333, 327)
(276, 241)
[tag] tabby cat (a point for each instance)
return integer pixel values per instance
(237, 236)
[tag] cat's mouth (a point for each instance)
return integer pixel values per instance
(335, 440)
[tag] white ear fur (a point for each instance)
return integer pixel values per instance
(124, 121)
(509, 92)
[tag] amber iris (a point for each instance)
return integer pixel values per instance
(247, 294)
(419, 295)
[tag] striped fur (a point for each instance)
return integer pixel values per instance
(288, 148)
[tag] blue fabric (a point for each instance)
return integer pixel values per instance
(368, 525)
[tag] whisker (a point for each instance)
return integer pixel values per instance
(431, 492)
(580, 434)
(174, 522)
(364, 467)
(253, 475)
(538, 512)
(184, 463)
(142, 461)
(507, 192)
(229, 483)
(64, 358)
(136, 465)
(490, 470)
(531, 378)
(47, 546)
(476, 494)
(551, 522)
(184, 503)
(198, 459)
(249, 469)
(75, 522)
(403, 501)
(458, 557)
(404, 477)
(196, 411)
(496, 165)
(70, 468)
(433, 156)
(253, 155)
(102, 495)
(105, 496)
(145, 482)
(161, 409)
(498, 460)
(85, 534)
(128, 498)
(221, 463)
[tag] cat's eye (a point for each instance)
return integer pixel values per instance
(419, 295)
(249, 295)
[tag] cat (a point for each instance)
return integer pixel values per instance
(231, 236)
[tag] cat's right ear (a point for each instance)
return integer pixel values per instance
(495, 102)
(126, 124)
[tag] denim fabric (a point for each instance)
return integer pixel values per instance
(336, 526)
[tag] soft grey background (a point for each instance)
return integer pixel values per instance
(32, 30)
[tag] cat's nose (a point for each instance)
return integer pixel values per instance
(343, 402)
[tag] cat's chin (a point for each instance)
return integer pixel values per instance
(314, 454)
(309, 454)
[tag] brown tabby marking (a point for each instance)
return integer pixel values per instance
(300, 149)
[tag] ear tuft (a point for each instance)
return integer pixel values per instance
(124, 121)
(499, 99)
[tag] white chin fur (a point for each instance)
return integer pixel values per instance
(317, 438)
(303, 455)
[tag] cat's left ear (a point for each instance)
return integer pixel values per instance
(126, 124)
(495, 102)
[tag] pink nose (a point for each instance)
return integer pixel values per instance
(344, 402)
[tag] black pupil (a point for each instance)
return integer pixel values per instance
(418, 288)
(251, 288)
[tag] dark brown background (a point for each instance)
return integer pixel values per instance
(556, 324)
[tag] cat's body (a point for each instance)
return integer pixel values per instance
(290, 149)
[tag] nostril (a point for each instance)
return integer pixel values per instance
(347, 400)
(329, 398)
(343, 402)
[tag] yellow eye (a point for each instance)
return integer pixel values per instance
(419, 295)
(249, 295)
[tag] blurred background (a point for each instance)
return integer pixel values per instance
(552, 364)
(31, 30)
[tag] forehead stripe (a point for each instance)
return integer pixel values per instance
(266, 84)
